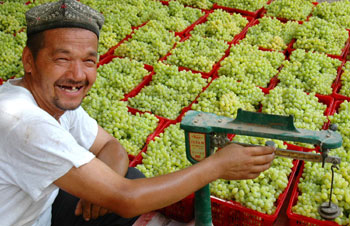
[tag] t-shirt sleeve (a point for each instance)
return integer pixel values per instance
(41, 151)
(82, 127)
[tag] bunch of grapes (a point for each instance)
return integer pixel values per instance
(148, 44)
(179, 17)
(271, 33)
(322, 36)
(221, 25)
(345, 80)
(224, 96)
(342, 119)
(197, 53)
(203, 4)
(166, 153)
(246, 63)
(315, 185)
(11, 55)
(261, 193)
(123, 74)
(290, 9)
(113, 115)
(169, 91)
(112, 32)
(315, 182)
(309, 71)
(307, 111)
(337, 12)
(248, 5)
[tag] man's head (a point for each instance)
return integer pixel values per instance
(61, 55)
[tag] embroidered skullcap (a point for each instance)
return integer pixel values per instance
(61, 14)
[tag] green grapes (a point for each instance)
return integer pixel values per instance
(123, 74)
(271, 33)
(11, 55)
(112, 32)
(345, 80)
(221, 25)
(342, 119)
(203, 4)
(311, 72)
(148, 44)
(321, 36)
(248, 5)
(224, 96)
(12, 16)
(169, 91)
(307, 111)
(248, 64)
(178, 17)
(261, 193)
(197, 53)
(112, 115)
(337, 12)
(166, 153)
(290, 9)
(315, 185)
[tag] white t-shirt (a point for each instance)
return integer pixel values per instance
(35, 150)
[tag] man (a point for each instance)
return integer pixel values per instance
(48, 142)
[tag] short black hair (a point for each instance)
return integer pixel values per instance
(35, 42)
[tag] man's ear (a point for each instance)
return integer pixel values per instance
(27, 60)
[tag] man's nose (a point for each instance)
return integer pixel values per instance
(77, 70)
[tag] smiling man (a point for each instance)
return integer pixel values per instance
(57, 166)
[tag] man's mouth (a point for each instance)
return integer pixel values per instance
(70, 89)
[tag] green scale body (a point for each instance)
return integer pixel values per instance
(206, 131)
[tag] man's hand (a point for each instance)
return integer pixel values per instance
(89, 210)
(237, 162)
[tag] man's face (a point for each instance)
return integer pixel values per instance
(65, 69)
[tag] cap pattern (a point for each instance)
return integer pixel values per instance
(64, 13)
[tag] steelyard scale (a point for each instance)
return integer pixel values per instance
(204, 132)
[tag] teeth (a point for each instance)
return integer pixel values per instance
(70, 90)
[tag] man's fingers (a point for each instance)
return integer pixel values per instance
(103, 211)
(78, 209)
(263, 159)
(262, 150)
(86, 210)
(95, 211)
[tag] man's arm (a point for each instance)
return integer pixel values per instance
(99, 184)
(110, 151)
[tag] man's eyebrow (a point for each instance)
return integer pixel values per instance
(65, 51)
(92, 53)
(61, 51)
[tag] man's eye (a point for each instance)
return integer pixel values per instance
(90, 61)
(62, 59)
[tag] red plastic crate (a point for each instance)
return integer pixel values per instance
(133, 158)
(300, 220)
(329, 101)
(227, 213)
(182, 211)
(338, 96)
(338, 85)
